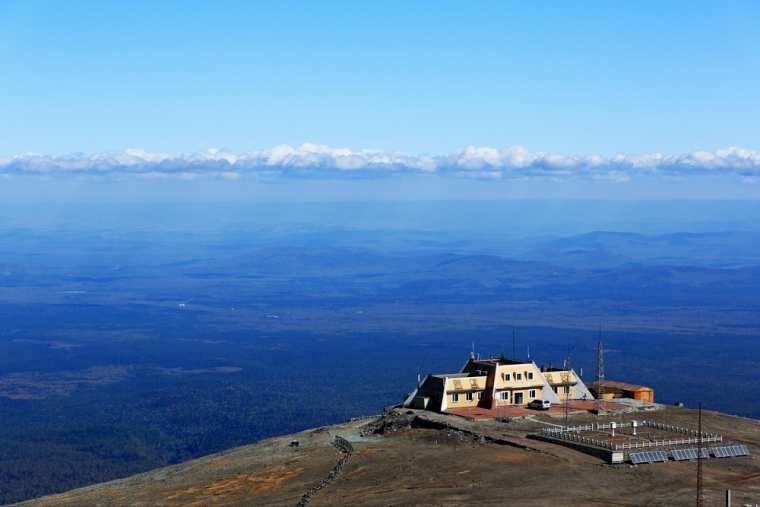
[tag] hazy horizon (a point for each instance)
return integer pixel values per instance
(226, 221)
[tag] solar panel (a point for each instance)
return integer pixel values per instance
(730, 451)
(720, 452)
(704, 453)
(684, 454)
(741, 450)
(638, 458)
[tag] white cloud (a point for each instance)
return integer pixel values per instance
(318, 161)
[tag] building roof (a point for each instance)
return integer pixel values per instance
(500, 361)
(622, 385)
(455, 375)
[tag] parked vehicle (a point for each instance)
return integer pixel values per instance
(540, 404)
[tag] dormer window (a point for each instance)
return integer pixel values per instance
(518, 376)
(506, 376)
(530, 375)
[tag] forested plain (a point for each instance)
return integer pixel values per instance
(125, 350)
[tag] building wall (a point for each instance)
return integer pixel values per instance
(559, 390)
(529, 375)
(644, 395)
(463, 401)
(577, 389)
(461, 387)
(528, 395)
(517, 378)
(556, 380)
(431, 388)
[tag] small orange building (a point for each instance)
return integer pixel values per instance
(612, 389)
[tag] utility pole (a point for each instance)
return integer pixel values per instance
(700, 496)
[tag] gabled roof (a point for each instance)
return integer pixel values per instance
(622, 385)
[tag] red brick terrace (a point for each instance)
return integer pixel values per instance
(475, 413)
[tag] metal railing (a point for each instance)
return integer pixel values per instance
(669, 442)
(574, 434)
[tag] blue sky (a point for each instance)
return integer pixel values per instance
(412, 78)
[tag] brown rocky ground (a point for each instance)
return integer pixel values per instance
(432, 459)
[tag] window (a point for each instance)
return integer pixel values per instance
(468, 396)
(506, 376)
(455, 397)
(532, 393)
(518, 376)
(555, 388)
(567, 389)
(505, 395)
(480, 395)
(530, 375)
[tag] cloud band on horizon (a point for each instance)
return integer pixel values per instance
(314, 161)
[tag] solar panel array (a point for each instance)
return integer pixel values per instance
(729, 451)
(648, 457)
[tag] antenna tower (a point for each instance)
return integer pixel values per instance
(599, 375)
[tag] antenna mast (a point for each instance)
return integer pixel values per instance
(514, 343)
(599, 374)
(566, 388)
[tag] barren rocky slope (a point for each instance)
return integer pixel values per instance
(415, 458)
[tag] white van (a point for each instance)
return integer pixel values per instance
(540, 404)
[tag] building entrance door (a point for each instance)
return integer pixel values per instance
(518, 398)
